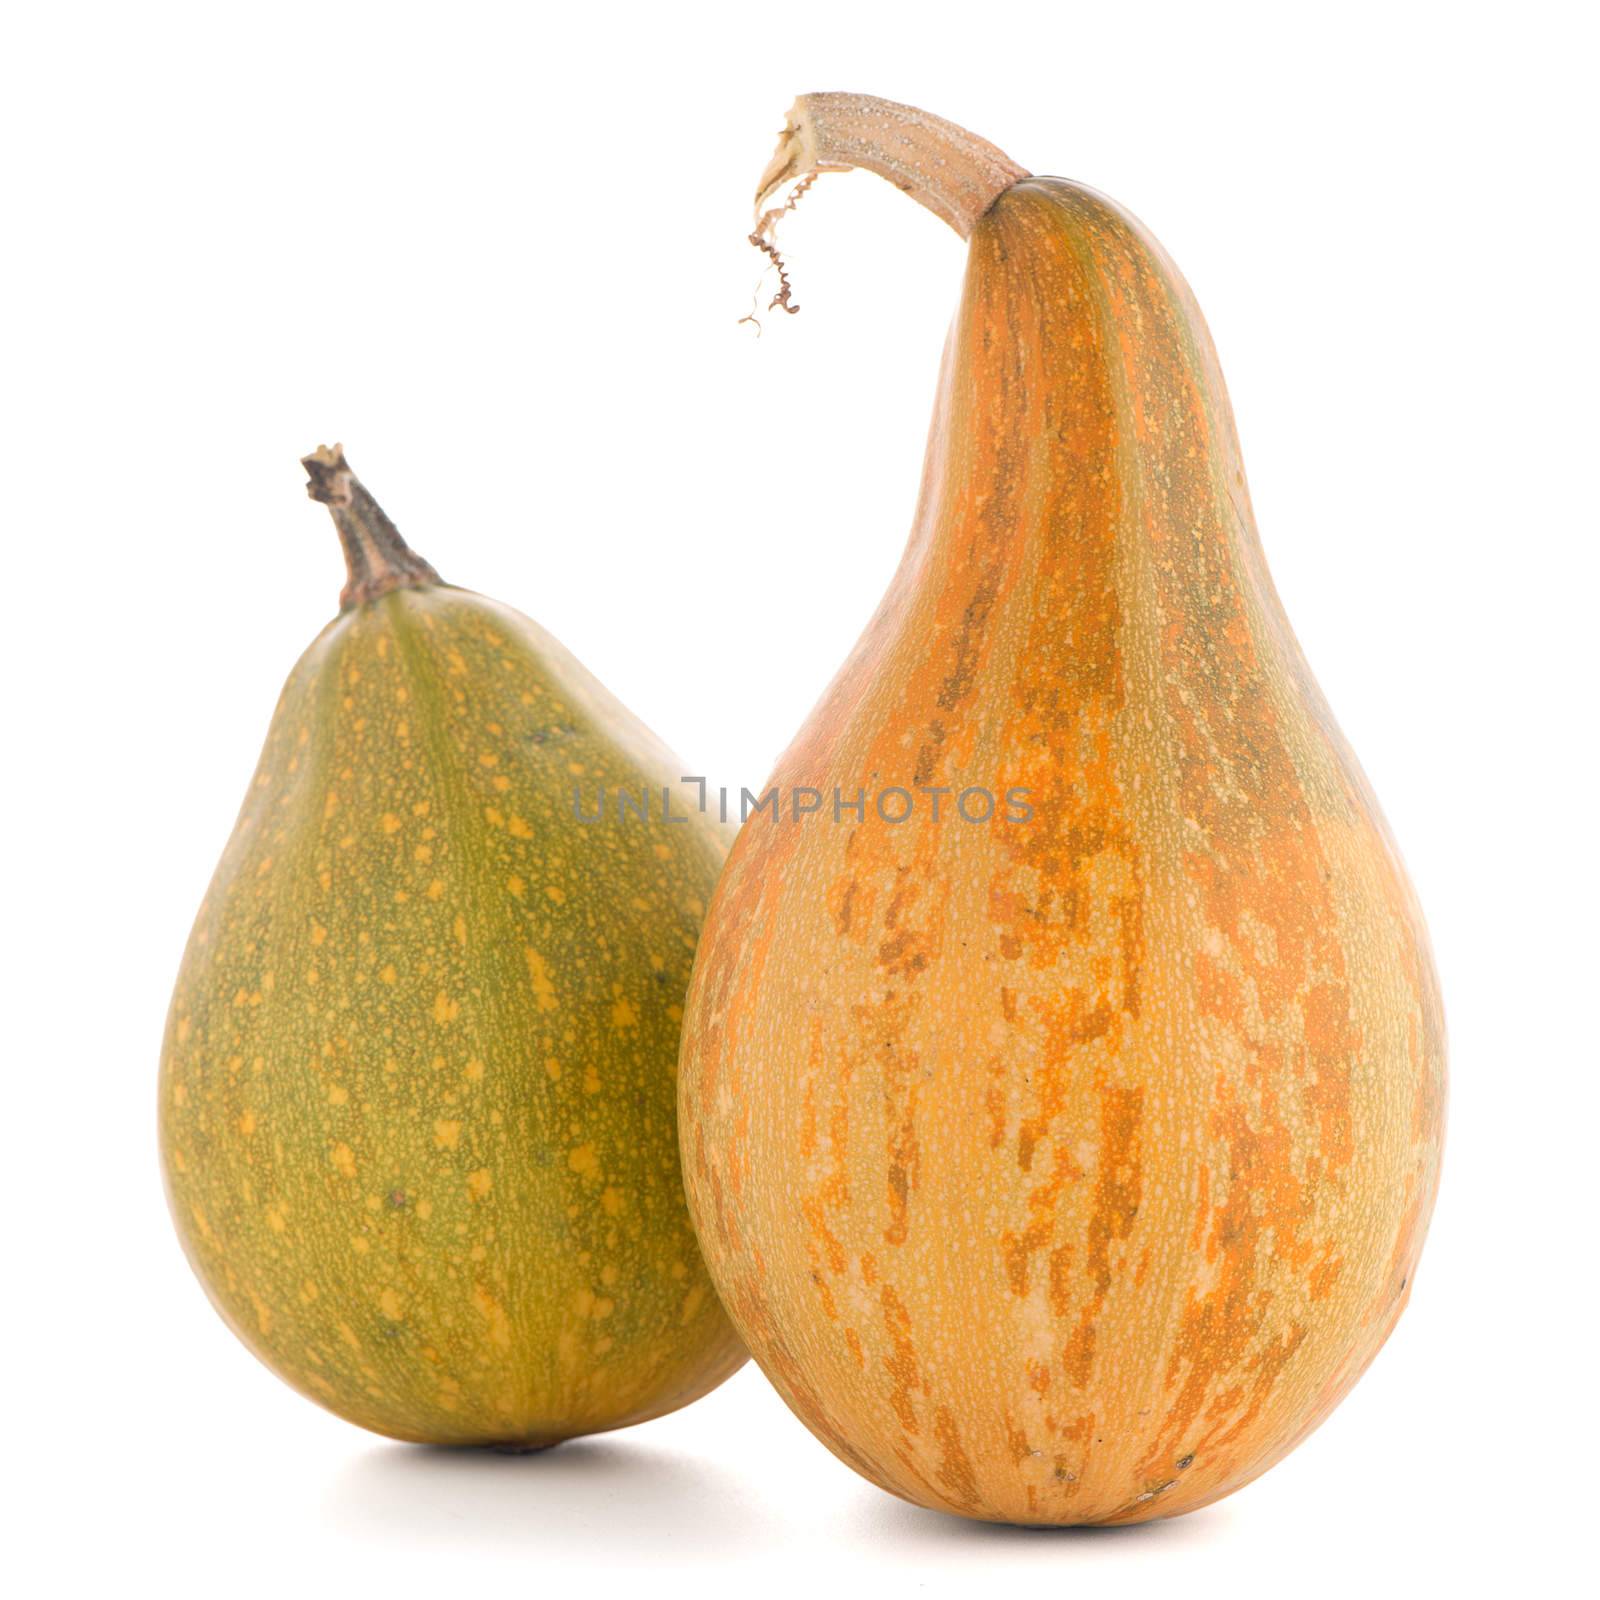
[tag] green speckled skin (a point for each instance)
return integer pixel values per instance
(417, 1088)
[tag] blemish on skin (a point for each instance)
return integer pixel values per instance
(539, 975)
(494, 1314)
(691, 1304)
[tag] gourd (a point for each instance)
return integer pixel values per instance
(417, 1103)
(1062, 1155)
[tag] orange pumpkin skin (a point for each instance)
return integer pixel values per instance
(1068, 1170)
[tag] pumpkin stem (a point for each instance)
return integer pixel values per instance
(375, 555)
(955, 174)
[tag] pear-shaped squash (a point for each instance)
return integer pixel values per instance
(1063, 1149)
(417, 1102)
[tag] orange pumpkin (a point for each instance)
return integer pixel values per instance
(1067, 1168)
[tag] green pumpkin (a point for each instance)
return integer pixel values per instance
(417, 1090)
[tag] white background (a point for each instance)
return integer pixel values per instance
(499, 251)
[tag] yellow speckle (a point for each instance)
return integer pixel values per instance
(479, 1183)
(553, 1067)
(183, 1029)
(247, 1123)
(391, 823)
(445, 1009)
(331, 804)
(390, 1305)
(585, 1160)
(494, 816)
(603, 1307)
(591, 1079)
(501, 782)
(348, 1334)
(518, 828)
(515, 885)
(611, 1200)
(319, 934)
(388, 974)
(692, 1303)
(446, 1134)
(344, 1158)
(623, 1015)
(488, 759)
(423, 853)
(275, 1219)
(308, 1291)
(543, 990)
(609, 1274)
(556, 893)
(265, 867)
(436, 889)
(461, 930)
(359, 1245)
(424, 1209)
(180, 1094)
(473, 1070)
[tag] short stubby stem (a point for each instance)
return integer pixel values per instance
(376, 557)
(955, 174)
